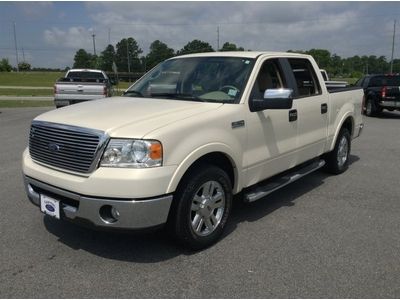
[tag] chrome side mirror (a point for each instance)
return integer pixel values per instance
(273, 99)
(278, 94)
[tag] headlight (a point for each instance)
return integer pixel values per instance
(123, 153)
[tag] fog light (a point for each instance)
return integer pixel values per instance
(109, 214)
(115, 213)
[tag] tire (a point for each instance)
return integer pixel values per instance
(337, 161)
(201, 207)
(370, 108)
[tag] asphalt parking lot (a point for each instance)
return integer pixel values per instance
(321, 237)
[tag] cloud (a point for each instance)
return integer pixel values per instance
(73, 37)
(253, 25)
(35, 9)
(344, 28)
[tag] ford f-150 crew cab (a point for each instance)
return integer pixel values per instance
(80, 85)
(185, 138)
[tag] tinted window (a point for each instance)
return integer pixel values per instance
(385, 80)
(85, 75)
(306, 79)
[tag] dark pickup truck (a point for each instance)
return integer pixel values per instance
(381, 92)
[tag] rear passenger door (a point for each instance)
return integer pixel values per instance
(312, 109)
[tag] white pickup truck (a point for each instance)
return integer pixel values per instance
(79, 85)
(185, 138)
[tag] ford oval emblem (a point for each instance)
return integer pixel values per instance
(53, 147)
(50, 207)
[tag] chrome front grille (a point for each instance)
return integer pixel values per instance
(66, 147)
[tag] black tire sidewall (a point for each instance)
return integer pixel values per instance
(183, 228)
(372, 112)
(333, 163)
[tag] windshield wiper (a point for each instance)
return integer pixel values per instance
(133, 92)
(178, 96)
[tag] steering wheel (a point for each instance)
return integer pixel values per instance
(228, 88)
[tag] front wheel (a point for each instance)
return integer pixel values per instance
(337, 161)
(203, 206)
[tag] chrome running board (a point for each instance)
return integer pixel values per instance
(259, 192)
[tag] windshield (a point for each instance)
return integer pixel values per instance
(208, 79)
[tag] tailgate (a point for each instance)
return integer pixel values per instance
(392, 93)
(84, 89)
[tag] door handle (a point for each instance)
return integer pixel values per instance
(324, 108)
(292, 115)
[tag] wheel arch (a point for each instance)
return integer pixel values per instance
(346, 122)
(217, 156)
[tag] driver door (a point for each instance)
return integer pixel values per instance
(272, 137)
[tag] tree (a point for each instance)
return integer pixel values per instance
(321, 56)
(128, 48)
(24, 66)
(195, 46)
(230, 47)
(107, 58)
(158, 52)
(83, 59)
(5, 65)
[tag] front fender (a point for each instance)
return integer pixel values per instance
(196, 155)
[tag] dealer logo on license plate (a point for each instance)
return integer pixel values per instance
(50, 206)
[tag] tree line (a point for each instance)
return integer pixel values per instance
(127, 56)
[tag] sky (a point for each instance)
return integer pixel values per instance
(49, 33)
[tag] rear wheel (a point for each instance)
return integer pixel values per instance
(337, 161)
(371, 110)
(203, 206)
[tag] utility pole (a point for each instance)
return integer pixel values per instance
(109, 36)
(218, 38)
(23, 54)
(16, 48)
(129, 62)
(394, 33)
(94, 43)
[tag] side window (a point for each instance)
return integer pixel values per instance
(360, 82)
(269, 77)
(306, 79)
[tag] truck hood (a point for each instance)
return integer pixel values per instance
(126, 116)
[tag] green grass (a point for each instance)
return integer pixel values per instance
(27, 103)
(123, 85)
(349, 80)
(30, 78)
(25, 92)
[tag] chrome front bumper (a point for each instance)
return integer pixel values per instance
(133, 214)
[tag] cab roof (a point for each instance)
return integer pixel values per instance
(244, 54)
